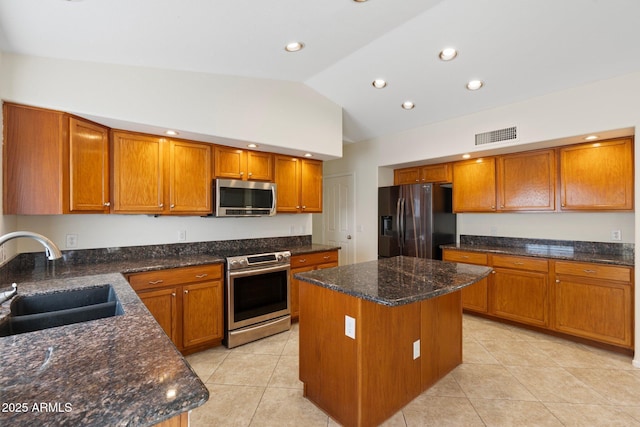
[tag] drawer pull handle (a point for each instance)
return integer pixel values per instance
(465, 256)
(327, 257)
(303, 260)
(200, 276)
(590, 271)
(518, 263)
(155, 282)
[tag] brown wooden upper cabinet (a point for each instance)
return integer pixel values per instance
(153, 175)
(442, 172)
(54, 163)
(597, 176)
(513, 182)
(233, 163)
(474, 185)
(299, 184)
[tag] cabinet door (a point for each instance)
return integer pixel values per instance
(436, 173)
(259, 166)
(229, 163)
(286, 177)
(597, 176)
(88, 167)
(137, 173)
(475, 185)
(202, 319)
(294, 290)
(520, 295)
(526, 181)
(594, 309)
(190, 177)
(163, 306)
(406, 176)
(311, 186)
(474, 297)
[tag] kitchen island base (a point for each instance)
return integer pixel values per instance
(397, 353)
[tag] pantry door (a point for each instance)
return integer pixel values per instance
(338, 217)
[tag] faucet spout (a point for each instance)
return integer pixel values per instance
(51, 249)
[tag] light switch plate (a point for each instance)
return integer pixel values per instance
(350, 327)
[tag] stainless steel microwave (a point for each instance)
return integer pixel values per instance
(233, 197)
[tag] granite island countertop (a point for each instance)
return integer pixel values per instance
(121, 370)
(398, 280)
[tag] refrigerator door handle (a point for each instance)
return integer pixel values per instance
(402, 224)
(398, 221)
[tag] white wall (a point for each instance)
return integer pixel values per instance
(275, 113)
(287, 117)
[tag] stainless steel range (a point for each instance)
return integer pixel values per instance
(258, 302)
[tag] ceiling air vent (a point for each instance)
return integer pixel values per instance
(506, 134)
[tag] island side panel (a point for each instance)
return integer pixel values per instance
(441, 337)
(328, 358)
(389, 375)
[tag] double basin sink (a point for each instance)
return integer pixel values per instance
(42, 311)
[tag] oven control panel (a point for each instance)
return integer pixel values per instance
(254, 260)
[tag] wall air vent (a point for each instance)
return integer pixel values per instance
(506, 134)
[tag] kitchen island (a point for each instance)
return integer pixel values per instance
(375, 335)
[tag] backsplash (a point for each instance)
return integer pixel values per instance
(27, 261)
(626, 249)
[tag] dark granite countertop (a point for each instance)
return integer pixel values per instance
(121, 370)
(397, 281)
(594, 252)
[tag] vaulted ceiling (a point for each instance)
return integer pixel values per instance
(518, 48)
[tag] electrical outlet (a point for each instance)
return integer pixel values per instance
(182, 235)
(616, 235)
(72, 241)
(350, 327)
(416, 349)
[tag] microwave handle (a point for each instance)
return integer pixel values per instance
(273, 198)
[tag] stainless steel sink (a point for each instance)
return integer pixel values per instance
(43, 311)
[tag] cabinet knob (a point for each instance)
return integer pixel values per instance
(557, 280)
(493, 272)
(172, 206)
(304, 207)
(493, 207)
(186, 291)
(107, 204)
(173, 294)
(250, 173)
(241, 173)
(297, 207)
(161, 205)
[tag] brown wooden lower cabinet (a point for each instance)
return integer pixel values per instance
(186, 302)
(474, 297)
(586, 300)
(181, 420)
(307, 262)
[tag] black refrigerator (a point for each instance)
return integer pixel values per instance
(414, 220)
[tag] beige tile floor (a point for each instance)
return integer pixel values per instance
(509, 377)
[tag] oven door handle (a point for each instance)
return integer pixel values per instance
(258, 270)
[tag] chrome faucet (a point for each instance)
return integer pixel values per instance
(51, 249)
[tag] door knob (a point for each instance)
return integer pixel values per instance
(348, 236)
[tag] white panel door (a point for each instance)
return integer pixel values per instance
(339, 215)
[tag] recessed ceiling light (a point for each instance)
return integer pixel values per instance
(448, 53)
(171, 132)
(252, 145)
(475, 84)
(591, 137)
(359, 1)
(408, 105)
(466, 156)
(379, 83)
(294, 46)
(308, 155)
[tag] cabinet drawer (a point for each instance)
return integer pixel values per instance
(596, 271)
(175, 276)
(314, 258)
(520, 263)
(466, 257)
